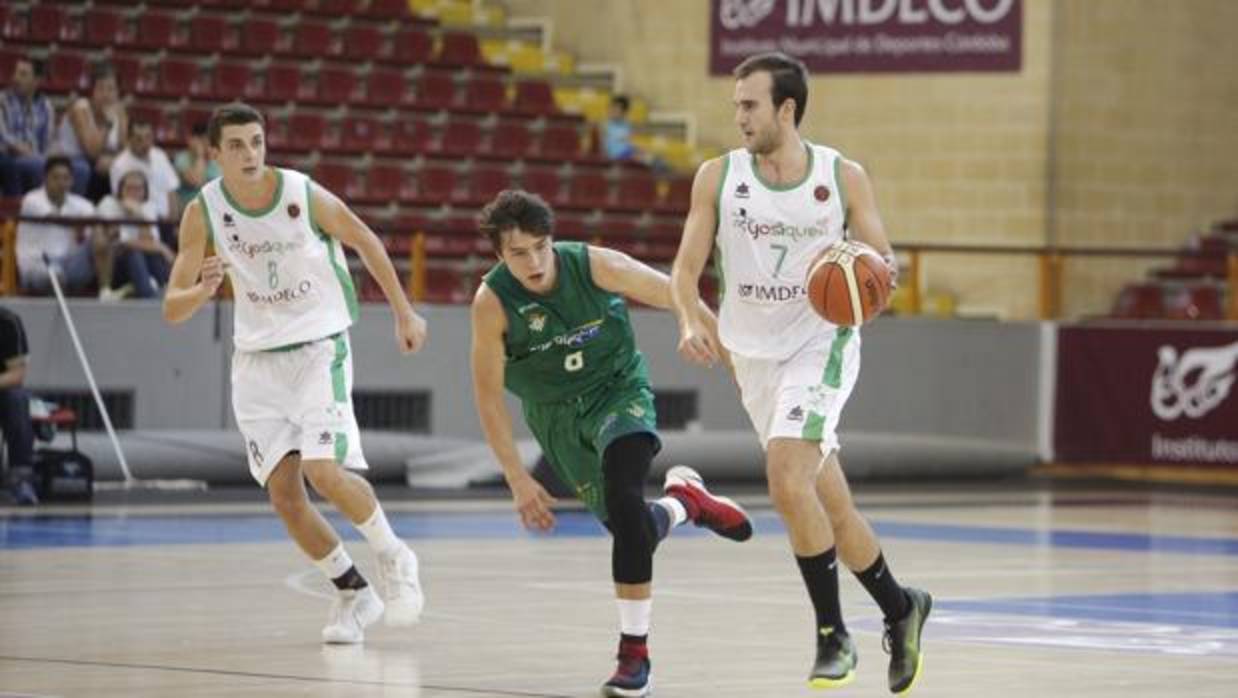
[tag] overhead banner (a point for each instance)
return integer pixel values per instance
(870, 36)
(1147, 397)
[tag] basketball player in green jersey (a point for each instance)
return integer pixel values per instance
(551, 324)
(277, 235)
(770, 208)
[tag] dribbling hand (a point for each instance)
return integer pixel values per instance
(212, 274)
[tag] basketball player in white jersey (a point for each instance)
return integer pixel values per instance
(770, 208)
(277, 235)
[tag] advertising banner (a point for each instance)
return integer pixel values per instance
(870, 36)
(1147, 396)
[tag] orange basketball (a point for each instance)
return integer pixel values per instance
(848, 284)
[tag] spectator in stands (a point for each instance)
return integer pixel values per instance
(15, 408)
(617, 136)
(75, 251)
(194, 164)
(26, 119)
(141, 257)
(91, 131)
(143, 155)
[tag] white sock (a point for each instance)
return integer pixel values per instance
(378, 532)
(634, 616)
(678, 514)
(336, 563)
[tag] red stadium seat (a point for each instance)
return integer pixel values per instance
(334, 177)
(559, 143)
(102, 27)
(460, 138)
(545, 183)
(435, 90)
(484, 183)
(362, 42)
(1194, 302)
(588, 190)
(128, 72)
(306, 131)
(636, 192)
(283, 83)
(460, 50)
(411, 137)
(66, 72)
(260, 36)
(211, 34)
(384, 184)
(387, 9)
(436, 184)
(336, 86)
(535, 98)
(157, 30)
(313, 40)
(230, 81)
(412, 46)
(362, 134)
(47, 24)
(510, 139)
(486, 93)
(173, 78)
(678, 196)
(1140, 301)
(386, 88)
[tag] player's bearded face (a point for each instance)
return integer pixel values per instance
(755, 115)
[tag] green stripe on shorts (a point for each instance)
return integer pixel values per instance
(338, 390)
(341, 447)
(831, 377)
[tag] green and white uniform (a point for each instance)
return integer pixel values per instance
(292, 367)
(795, 371)
(572, 361)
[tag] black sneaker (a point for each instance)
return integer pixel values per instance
(836, 660)
(632, 677)
(902, 641)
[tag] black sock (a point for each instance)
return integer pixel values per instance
(661, 521)
(820, 574)
(633, 639)
(885, 590)
(351, 579)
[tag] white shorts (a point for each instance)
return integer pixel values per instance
(801, 397)
(297, 399)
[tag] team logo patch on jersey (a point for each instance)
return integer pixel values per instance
(822, 193)
(294, 211)
(537, 322)
(741, 192)
(636, 410)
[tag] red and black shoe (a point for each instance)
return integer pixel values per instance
(632, 677)
(719, 514)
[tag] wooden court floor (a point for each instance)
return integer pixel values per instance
(1089, 592)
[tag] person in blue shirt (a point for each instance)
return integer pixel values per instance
(26, 119)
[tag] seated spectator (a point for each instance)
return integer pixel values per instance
(26, 119)
(15, 408)
(75, 251)
(142, 155)
(194, 165)
(141, 257)
(617, 133)
(91, 131)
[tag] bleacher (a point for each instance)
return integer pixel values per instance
(1192, 288)
(400, 114)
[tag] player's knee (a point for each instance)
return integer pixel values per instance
(323, 475)
(288, 501)
(788, 481)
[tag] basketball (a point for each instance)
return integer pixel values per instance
(848, 284)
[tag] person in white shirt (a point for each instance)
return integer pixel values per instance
(141, 257)
(75, 251)
(142, 154)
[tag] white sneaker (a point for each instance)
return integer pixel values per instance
(351, 611)
(401, 587)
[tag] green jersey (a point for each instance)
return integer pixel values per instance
(570, 341)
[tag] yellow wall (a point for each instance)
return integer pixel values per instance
(1125, 110)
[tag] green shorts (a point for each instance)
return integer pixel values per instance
(574, 435)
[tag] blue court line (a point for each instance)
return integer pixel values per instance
(45, 531)
(1210, 609)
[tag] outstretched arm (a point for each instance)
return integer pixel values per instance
(334, 218)
(618, 272)
(488, 361)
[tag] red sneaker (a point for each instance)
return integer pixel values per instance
(632, 677)
(719, 514)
